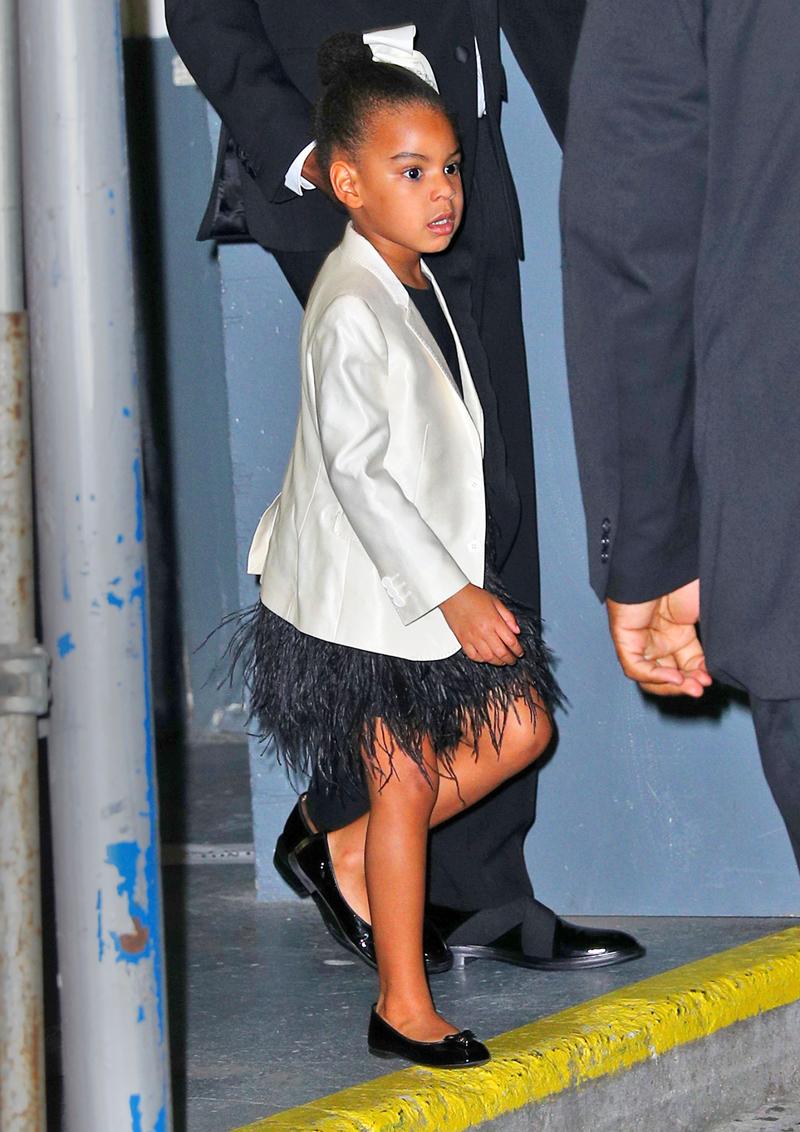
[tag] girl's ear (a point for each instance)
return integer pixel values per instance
(343, 181)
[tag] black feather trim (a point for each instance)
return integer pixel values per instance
(319, 701)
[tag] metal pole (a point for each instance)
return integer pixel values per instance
(22, 1107)
(92, 573)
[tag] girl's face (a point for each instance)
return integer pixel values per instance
(403, 189)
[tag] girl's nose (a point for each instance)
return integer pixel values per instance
(445, 188)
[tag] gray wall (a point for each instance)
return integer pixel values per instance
(645, 809)
(189, 485)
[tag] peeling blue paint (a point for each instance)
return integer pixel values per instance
(124, 856)
(137, 475)
(115, 581)
(65, 644)
(151, 860)
(112, 599)
(100, 944)
(126, 412)
(120, 538)
(140, 1014)
(65, 590)
(136, 1116)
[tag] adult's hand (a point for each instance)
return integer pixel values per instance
(312, 172)
(657, 643)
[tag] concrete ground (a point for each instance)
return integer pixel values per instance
(267, 1012)
(780, 1114)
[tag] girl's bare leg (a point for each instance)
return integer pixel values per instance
(521, 745)
(401, 803)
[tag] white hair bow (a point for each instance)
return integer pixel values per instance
(396, 45)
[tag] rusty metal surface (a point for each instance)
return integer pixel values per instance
(21, 1015)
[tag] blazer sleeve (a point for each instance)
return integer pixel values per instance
(225, 46)
(633, 197)
(350, 363)
(543, 34)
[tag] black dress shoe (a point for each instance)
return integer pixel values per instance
(312, 866)
(574, 948)
(456, 1051)
(295, 831)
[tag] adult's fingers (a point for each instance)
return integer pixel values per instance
(689, 686)
(650, 671)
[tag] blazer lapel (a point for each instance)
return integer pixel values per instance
(357, 248)
(470, 400)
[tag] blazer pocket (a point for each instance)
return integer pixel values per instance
(342, 528)
(421, 463)
(333, 518)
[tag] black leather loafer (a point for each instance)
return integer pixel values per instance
(312, 866)
(295, 831)
(456, 1051)
(574, 949)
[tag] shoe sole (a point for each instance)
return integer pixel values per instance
(285, 872)
(468, 953)
(331, 923)
(385, 1055)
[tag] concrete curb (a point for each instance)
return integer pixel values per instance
(596, 1039)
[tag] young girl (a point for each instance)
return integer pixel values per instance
(381, 645)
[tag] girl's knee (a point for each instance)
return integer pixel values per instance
(410, 787)
(530, 739)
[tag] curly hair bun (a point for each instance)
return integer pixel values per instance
(343, 52)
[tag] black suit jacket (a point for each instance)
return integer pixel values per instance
(681, 219)
(255, 60)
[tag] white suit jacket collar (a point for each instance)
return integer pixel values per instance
(361, 251)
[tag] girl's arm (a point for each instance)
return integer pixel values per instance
(350, 362)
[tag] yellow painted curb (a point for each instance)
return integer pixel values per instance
(595, 1039)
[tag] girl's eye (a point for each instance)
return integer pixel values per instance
(453, 169)
(413, 174)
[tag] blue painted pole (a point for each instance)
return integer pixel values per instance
(91, 554)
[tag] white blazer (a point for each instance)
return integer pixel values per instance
(382, 514)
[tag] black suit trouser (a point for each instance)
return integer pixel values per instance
(477, 859)
(777, 724)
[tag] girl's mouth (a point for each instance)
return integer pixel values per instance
(443, 225)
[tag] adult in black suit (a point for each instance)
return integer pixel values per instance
(681, 210)
(255, 61)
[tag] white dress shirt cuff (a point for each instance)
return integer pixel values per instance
(481, 88)
(294, 179)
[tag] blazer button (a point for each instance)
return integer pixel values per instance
(605, 526)
(604, 557)
(461, 54)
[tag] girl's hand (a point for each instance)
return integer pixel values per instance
(486, 629)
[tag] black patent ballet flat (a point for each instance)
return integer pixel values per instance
(295, 831)
(456, 1051)
(312, 866)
